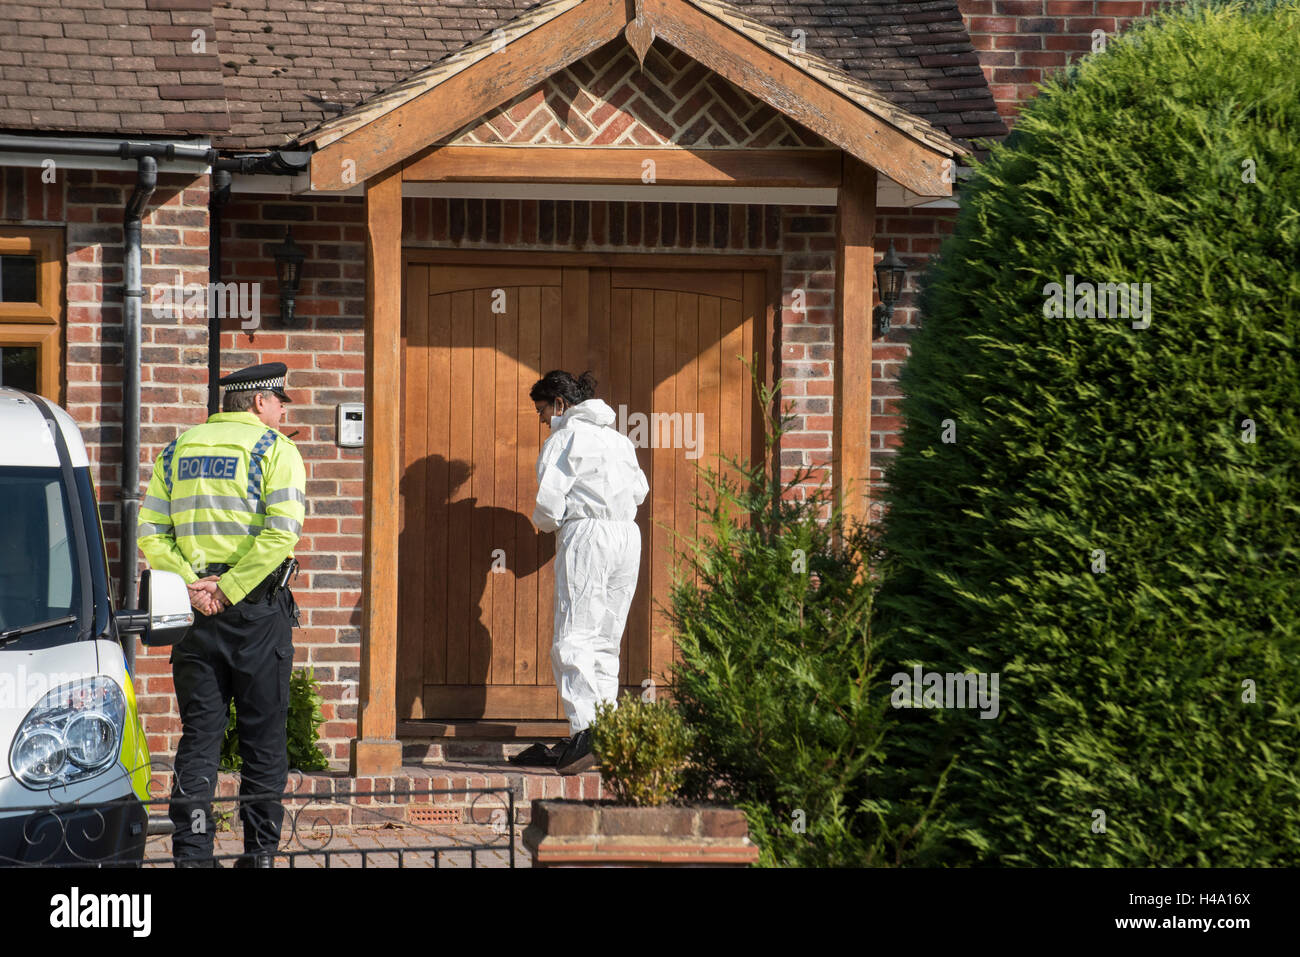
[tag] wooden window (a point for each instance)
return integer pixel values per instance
(31, 310)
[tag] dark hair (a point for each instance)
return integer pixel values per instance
(239, 400)
(558, 384)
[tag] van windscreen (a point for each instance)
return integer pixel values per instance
(38, 557)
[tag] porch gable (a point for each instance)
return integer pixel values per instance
(440, 101)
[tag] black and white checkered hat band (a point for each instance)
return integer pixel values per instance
(277, 383)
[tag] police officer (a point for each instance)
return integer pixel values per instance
(224, 510)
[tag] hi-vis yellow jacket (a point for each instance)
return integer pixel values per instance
(228, 492)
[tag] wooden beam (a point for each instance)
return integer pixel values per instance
(610, 165)
(514, 69)
(376, 749)
(479, 728)
(784, 87)
(854, 274)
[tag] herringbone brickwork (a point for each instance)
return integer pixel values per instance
(606, 99)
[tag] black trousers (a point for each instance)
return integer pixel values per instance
(244, 653)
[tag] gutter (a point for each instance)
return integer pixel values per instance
(146, 155)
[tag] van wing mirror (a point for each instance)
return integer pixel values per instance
(167, 614)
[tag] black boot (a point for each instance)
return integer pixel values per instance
(577, 756)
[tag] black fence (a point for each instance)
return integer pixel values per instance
(337, 827)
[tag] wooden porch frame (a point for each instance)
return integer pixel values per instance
(383, 150)
(854, 278)
(790, 91)
(399, 134)
(376, 749)
(515, 68)
(817, 169)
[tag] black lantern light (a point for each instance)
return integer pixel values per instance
(288, 268)
(889, 280)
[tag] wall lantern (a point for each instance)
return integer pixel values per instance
(889, 280)
(288, 268)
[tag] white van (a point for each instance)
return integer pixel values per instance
(74, 764)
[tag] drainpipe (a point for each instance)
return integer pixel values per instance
(218, 196)
(146, 180)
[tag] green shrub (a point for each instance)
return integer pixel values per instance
(1108, 531)
(642, 749)
(777, 668)
(303, 725)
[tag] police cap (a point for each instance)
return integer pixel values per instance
(268, 377)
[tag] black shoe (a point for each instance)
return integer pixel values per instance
(256, 859)
(556, 751)
(577, 756)
(197, 862)
(537, 756)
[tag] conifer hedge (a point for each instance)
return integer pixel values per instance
(1113, 525)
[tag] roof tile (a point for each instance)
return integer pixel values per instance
(285, 66)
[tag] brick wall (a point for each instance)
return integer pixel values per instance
(325, 352)
(324, 348)
(917, 235)
(1020, 42)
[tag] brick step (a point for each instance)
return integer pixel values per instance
(335, 798)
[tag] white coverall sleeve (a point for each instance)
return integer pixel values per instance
(640, 487)
(554, 479)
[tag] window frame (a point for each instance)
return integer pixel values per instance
(37, 324)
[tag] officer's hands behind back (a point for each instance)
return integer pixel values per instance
(206, 597)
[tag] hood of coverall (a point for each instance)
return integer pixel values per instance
(595, 411)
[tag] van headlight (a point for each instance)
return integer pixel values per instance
(74, 732)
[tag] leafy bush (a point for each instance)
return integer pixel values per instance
(1114, 529)
(303, 725)
(642, 749)
(777, 669)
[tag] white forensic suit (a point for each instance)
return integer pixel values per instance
(589, 486)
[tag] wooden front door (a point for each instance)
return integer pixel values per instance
(475, 589)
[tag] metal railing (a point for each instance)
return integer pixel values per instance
(123, 832)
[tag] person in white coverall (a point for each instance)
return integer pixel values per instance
(589, 487)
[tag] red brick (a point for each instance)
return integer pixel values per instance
(1048, 58)
(993, 25)
(1020, 7)
(1087, 24)
(1081, 42)
(1008, 75)
(1121, 8)
(720, 822)
(648, 821)
(1025, 42)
